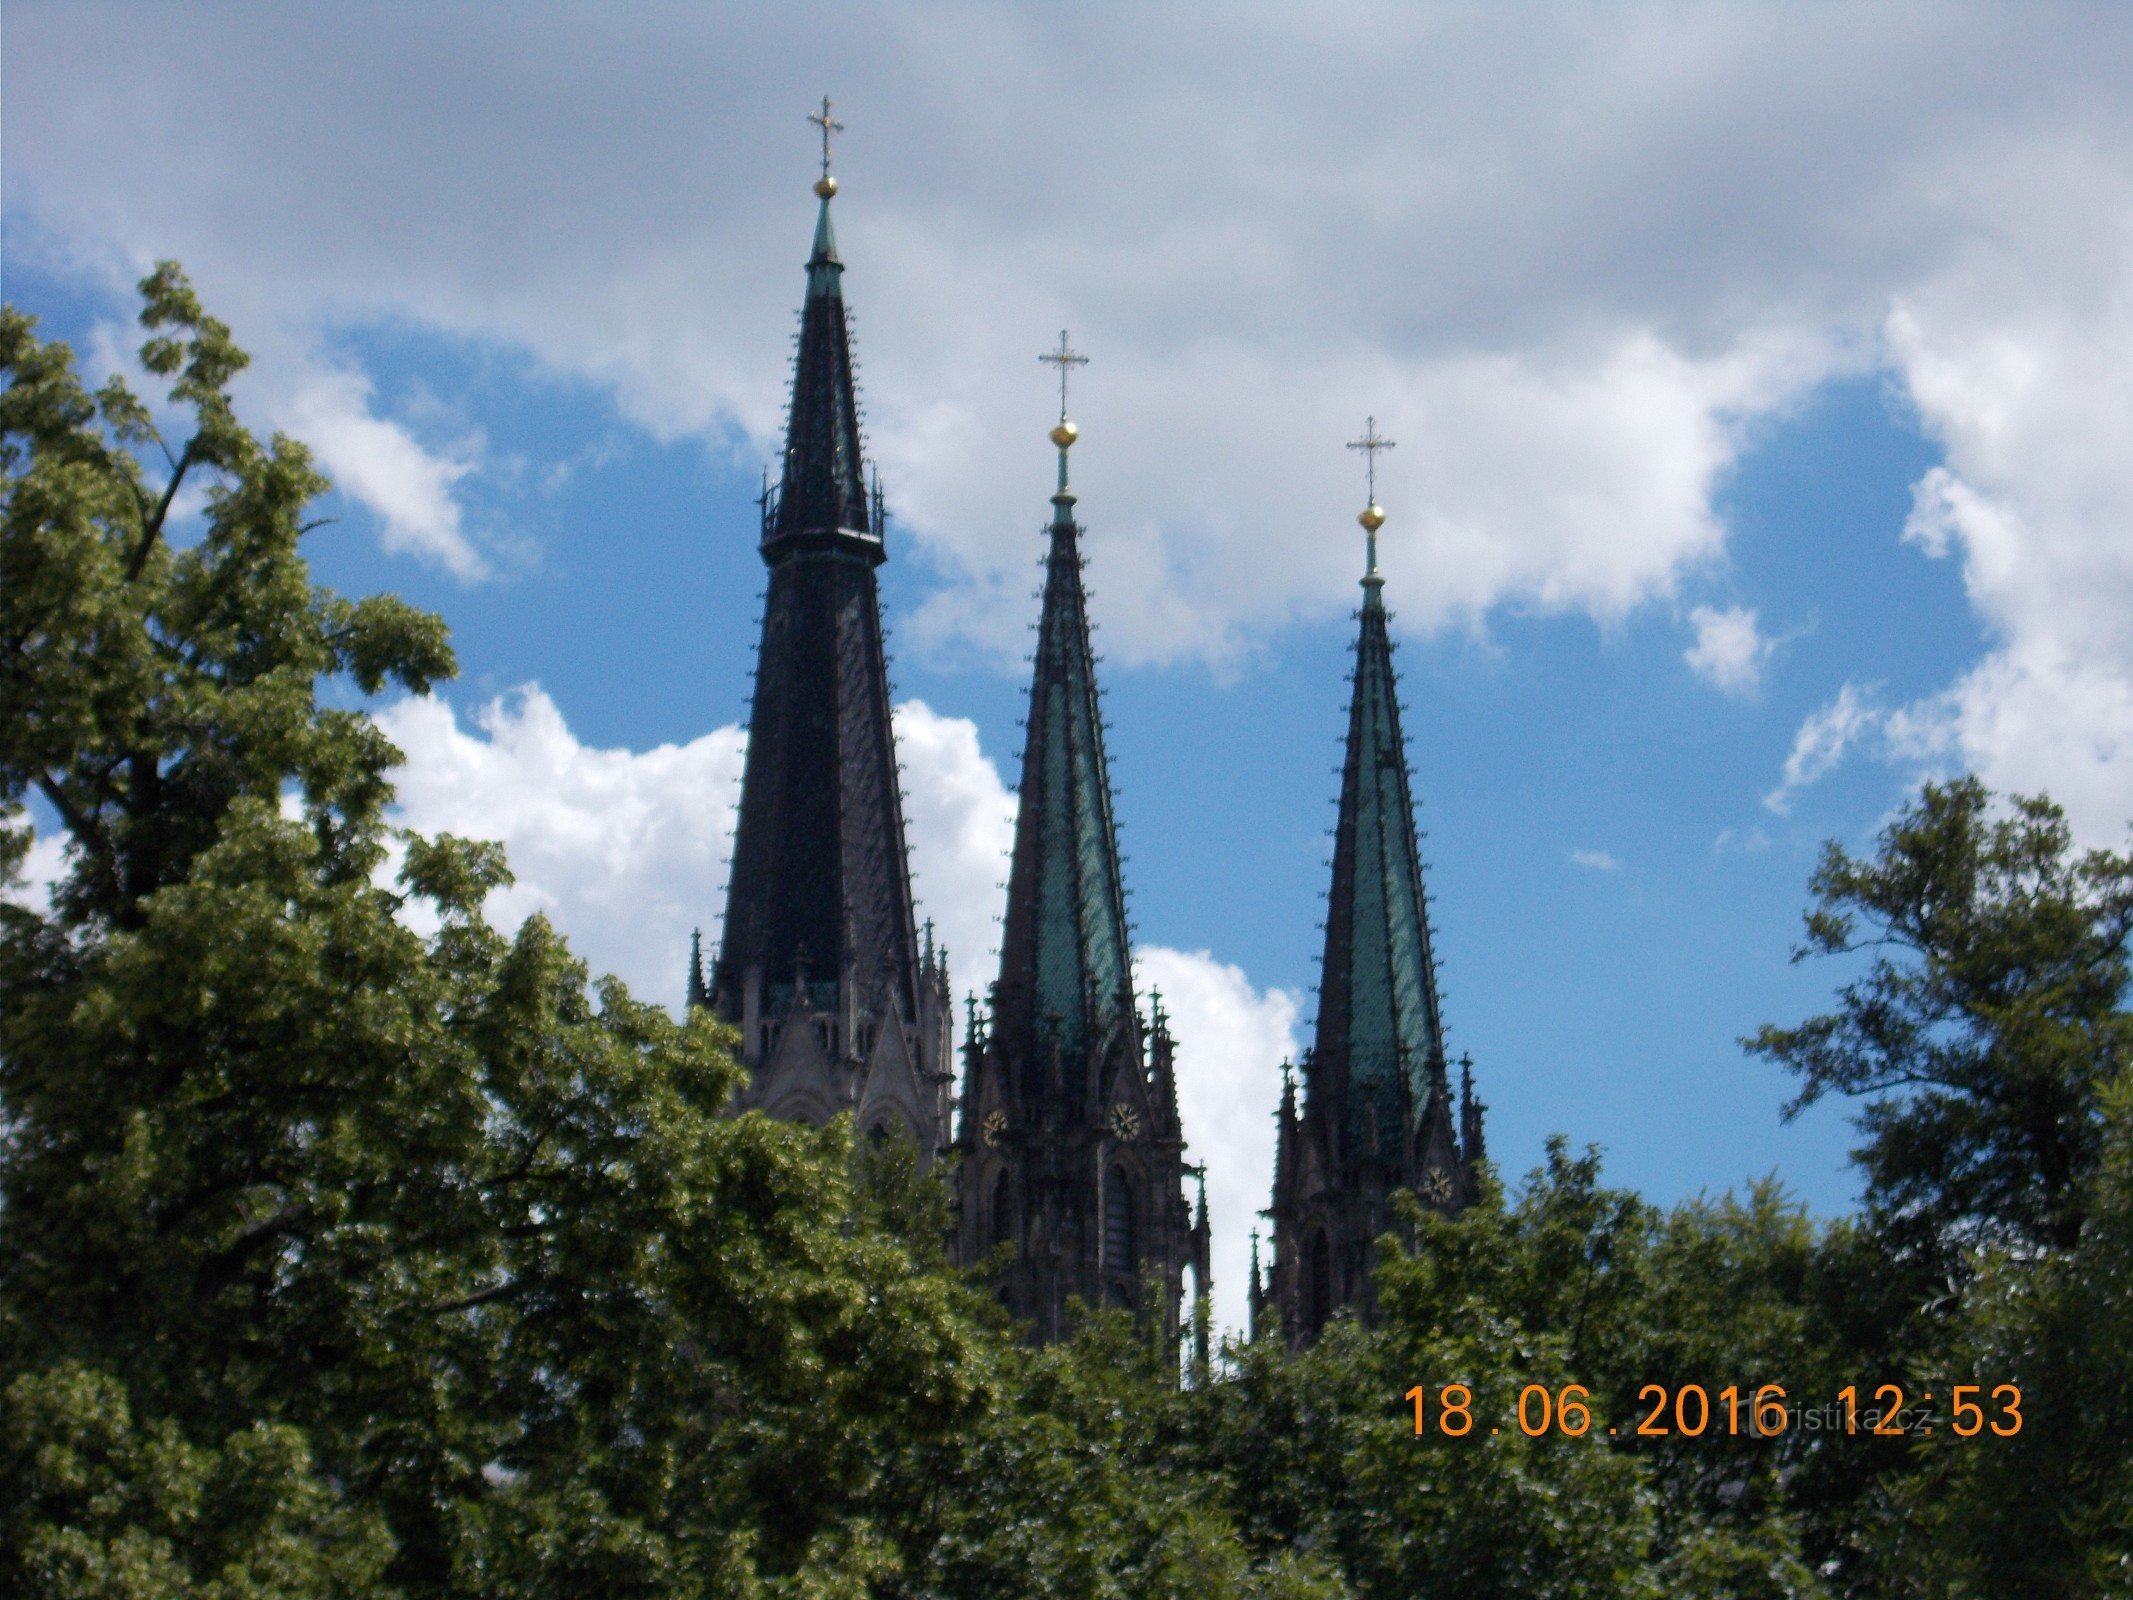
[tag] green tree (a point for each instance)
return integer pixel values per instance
(101, 1507)
(2046, 1511)
(1319, 1450)
(1991, 1010)
(404, 1236)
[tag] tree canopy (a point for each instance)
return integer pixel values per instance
(346, 1251)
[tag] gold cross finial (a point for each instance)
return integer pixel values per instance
(1065, 358)
(829, 125)
(1370, 444)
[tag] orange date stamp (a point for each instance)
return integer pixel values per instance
(1765, 1411)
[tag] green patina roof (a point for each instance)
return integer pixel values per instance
(1378, 1027)
(1065, 964)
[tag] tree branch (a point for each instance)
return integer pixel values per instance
(152, 528)
(82, 825)
(470, 1301)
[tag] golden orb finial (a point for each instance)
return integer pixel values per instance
(1065, 434)
(825, 186)
(1372, 517)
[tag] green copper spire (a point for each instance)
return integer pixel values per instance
(1377, 1113)
(1379, 1047)
(1066, 972)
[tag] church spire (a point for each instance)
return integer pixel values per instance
(820, 940)
(1070, 1145)
(822, 489)
(1065, 973)
(1376, 1116)
(1379, 1046)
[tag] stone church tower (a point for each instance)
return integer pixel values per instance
(1071, 1152)
(1377, 1114)
(839, 1006)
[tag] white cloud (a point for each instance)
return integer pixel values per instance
(1594, 860)
(2017, 349)
(624, 850)
(627, 850)
(379, 463)
(960, 819)
(1231, 1041)
(1733, 839)
(1730, 651)
(40, 872)
(1561, 262)
(1822, 741)
(2019, 355)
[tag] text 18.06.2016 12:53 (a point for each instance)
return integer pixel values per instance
(1689, 1411)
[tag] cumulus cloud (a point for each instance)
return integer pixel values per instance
(1562, 264)
(960, 819)
(1822, 741)
(2019, 355)
(380, 464)
(1231, 1040)
(625, 850)
(2017, 350)
(1594, 860)
(1730, 650)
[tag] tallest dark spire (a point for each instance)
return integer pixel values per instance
(819, 963)
(822, 488)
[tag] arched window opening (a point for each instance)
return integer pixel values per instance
(1003, 1209)
(1121, 1248)
(1318, 1282)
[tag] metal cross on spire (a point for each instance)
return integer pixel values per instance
(1065, 358)
(1370, 444)
(829, 125)
(1372, 516)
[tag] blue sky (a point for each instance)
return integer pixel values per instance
(1759, 389)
